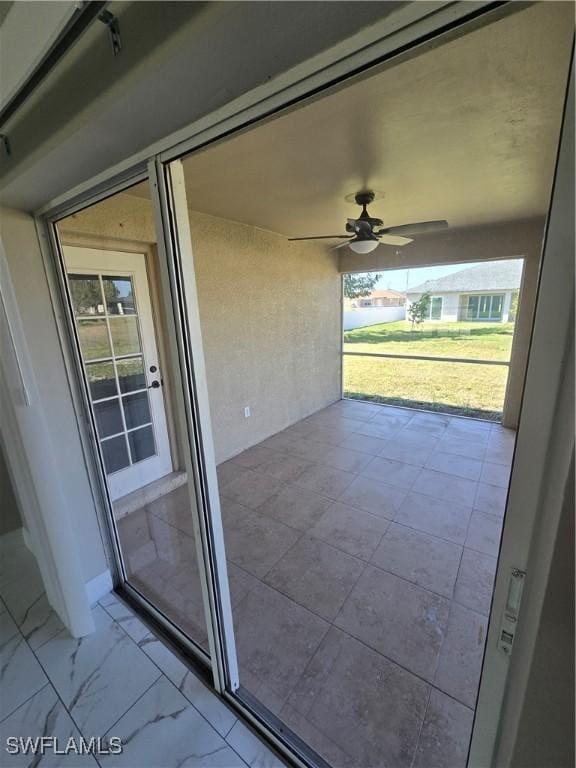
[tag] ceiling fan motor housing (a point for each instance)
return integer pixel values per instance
(364, 198)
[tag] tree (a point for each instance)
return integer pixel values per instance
(87, 295)
(360, 284)
(418, 310)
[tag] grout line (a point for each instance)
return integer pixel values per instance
(54, 687)
(163, 674)
(421, 728)
(153, 683)
(26, 701)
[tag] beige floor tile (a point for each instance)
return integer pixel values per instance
(252, 489)
(445, 736)
(484, 533)
(452, 464)
(227, 472)
(460, 662)
(252, 458)
(395, 473)
(430, 562)
(346, 678)
(275, 638)
(462, 427)
(491, 499)
(343, 458)
(316, 576)
(325, 480)
(475, 582)
(309, 449)
(255, 542)
(446, 487)
(364, 444)
(463, 446)
(380, 429)
(430, 424)
(373, 496)
(296, 507)
(407, 451)
(398, 619)
(350, 530)
(284, 467)
(495, 474)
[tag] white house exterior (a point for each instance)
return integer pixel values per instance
(484, 293)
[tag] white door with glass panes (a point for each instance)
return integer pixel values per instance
(113, 314)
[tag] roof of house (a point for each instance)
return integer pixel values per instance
(387, 294)
(491, 276)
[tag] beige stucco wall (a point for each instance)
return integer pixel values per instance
(454, 246)
(270, 313)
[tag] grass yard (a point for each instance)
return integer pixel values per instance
(460, 388)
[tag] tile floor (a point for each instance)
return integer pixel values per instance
(361, 546)
(120, 681)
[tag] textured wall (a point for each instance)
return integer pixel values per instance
(270, 314)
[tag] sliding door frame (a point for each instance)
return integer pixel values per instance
(176, 266)
(55, 268)
(425, 25)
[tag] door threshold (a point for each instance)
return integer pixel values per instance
(147, 494)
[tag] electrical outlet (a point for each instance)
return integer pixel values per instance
(247, 412)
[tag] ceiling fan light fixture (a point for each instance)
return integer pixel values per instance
(363, 246)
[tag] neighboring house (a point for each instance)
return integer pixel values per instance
(485, 292)
(387, 298)
(378, 307)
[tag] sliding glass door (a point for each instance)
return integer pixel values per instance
(124, 315)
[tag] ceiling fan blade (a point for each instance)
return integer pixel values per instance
(321, 237)
(418, 227)
(394, 240)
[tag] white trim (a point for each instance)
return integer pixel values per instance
(171, 213)
(99, 586)
(540, 468)
(82, 260)
(34, 471)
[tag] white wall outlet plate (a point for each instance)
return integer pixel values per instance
(246, 411)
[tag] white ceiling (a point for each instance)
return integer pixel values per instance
(465, 132)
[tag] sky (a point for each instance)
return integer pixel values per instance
(396, 278)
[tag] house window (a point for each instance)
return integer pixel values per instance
(435, 307)
(485, 307)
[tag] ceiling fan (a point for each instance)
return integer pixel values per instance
(366, 232)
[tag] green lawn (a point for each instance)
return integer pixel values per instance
(464, 388)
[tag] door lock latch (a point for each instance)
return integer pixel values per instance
(509, 621)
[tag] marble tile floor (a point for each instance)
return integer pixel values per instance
(362, 545)
(120, 681)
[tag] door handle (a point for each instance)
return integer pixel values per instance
(155, 384)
